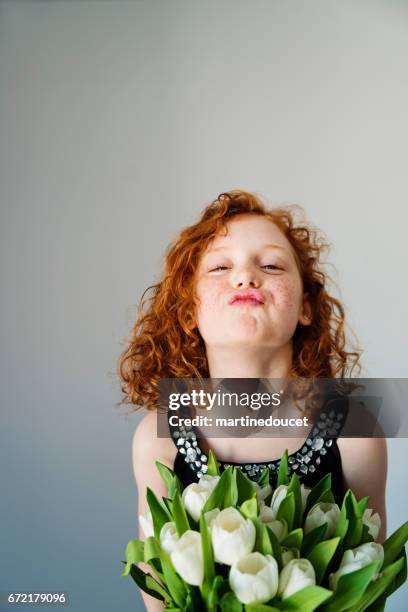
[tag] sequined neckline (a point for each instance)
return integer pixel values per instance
(303, 461)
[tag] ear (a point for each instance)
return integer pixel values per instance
(305, 317)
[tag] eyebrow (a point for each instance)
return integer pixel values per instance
(265, 246)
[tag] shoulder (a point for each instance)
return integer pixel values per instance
(363, 451)
(148, 447)
(364, 464)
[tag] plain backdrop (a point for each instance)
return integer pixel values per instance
(120, 121)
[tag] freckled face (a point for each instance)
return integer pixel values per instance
(255, 256)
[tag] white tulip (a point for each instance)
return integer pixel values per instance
(210, 516)
(373, 522)
(254, 578)
(187, 558)
(168, 537)
(296, 575)
(262, 492)
(196, 494)
(279, 528)
(232, 536)
(319, 515)
(146, 524)
(277, 498)
(288, 554)
(357, 558)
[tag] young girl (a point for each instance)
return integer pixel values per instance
(285, 325)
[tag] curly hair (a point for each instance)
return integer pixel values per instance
(165, 342)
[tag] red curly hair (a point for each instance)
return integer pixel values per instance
(165, 342)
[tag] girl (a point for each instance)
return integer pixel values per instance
(285, 325)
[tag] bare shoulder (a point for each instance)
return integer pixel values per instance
(147, 447)
(363, 452)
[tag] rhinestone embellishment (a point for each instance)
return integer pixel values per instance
(306, 460)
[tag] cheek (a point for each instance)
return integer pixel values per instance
(209, 295)
(286, 293)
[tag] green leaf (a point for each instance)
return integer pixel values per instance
(350, 588)
(365, 535)
(166, 473)
(151, 549)
(307, 599)
(250, 508)
(276, 549)
(343, 523)
(394, 544)
(312, 538)
(175, 485)
(283, 477)
(147, 583)
(160, 514)
(362, 504)
(134, 552)
(321, 556)
(326, 497)
(294, 487)
(286, 510)
(257, 607)
(266, 541)
(225, 492)
(263, 542)
(180, 515)
(293, 539)
(323, 485)
(245, 486)
(213, 465)
(214, 595)
(264, 478)
(208, 559)
(176, 586)
(377, 588)
(169, 505)
(354, 517)
(230, 603)
(153, 585)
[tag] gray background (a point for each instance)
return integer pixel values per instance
(119, 122)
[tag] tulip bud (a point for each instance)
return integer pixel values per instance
(168, 537)
(321, 514)
(262, 492)
(296, 575)
(254, 578)
(187, 558)
(279, 528)
(146, 524)
(277, 498)
(210, 516)
(357, 558)
(373, 522)
(288, 554)
(232, 536)
(196, 494)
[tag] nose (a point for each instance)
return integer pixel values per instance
(245, 278)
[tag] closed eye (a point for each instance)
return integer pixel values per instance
(271, 267)
(219, 268)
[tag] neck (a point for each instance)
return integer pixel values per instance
(237, 362)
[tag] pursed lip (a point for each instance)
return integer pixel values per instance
(247, 297)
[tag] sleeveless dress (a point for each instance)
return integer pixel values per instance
(318, 455)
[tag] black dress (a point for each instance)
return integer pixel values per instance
(318, 455)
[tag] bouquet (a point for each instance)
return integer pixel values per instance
(228, 543)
